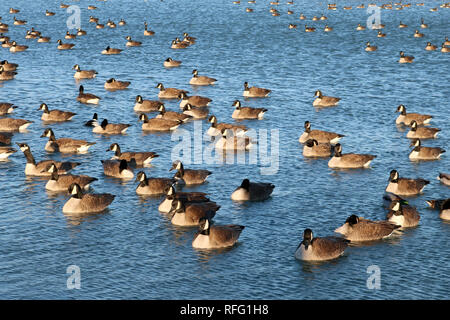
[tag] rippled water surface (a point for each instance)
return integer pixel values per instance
(134, 252)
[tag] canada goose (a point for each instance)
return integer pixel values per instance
(70, 36)
(189, 176)
(30, 35)
(433, 9)
(315, 18)
(8, 66)
(446, 42)
(325, 101)
(421, 132)
(117, 169)
(302, 17)
(63, 6)
(148, 32)
(405, 186)
(381, 34)
(320, 249)
(319, 135)
(152, 186)
(349, 160)
(142, 105)
(55, 115)
(93, 122)
(347, 8)
(12, 10)
(444, 178)
(113, 84)
(360, 27)
(404, 217)
(61, 182)
(190, 214)
(110, 128)
(132, 43)
(314, 149)
(187, 197)
(6, 44)
(65, 145)
(407, 118)
(81, 203)
(188, 38)
(196, 101)
(444, 49)
(402, 25)
(248, 10)
(172, 115)
(292, 26)
(158, 124)
(38, 169)
(6, 108)
(405, 59)
(445, 210)
(290, 12)
(102, 26)
(216, 128)
(42, 39)
(5, 152)
(370, 48)
(424, 153)
(170, 63)
(332, 7)
(201, 80)
(423, 25)
(217, 236)
(359, 229)
(87, 98)
(49, 13)
(252, 191)
(110, 50)
(122, 22)
(64, 46)
(111, 24)
(309, 29)
(275, 13)
(169, 93)
(228, 141)
(17, 48)
(134, 158)
(81, 32)
(6, 75)
(327, 28)
(196, 113)
(93, 19)
(10, 124)
(179, 45)
(83, 74)
(5, 138)
(92, 7)
(3, 37)
(417, 34)
(255, 92)
(247, 112)
(19, 22)
(430, 47)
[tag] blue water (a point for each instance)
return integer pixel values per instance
(134, 252)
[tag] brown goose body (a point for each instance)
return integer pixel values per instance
(5, 138)
(421, 132)
(84, 74)
(186, 197)
(444, 178)
(360, 229)
(113, 84)
(158, 124)
(8, 66)
(81, 203)
(194, 112)
(404, 216)
(406, 118)
(6, 108)
(405, 186)
(201, 80)
(170, 63)
(6, 75)
(152, 186)
(5, 152)
(424, 153)
(110, 128)
(196, 101)
(189, 176)
(65, 145)
(217, 128)
(87, 98)
(169, 93)
(349, 160)
(184, 214)
(216, 236)
(10, 124)
(255, 92)
(109, 50)
(172, 115)
(314, 149)
(325, 101)
(252, 191)
(61, 182)
(117, 169)
(65, 46)
(319, 135)
(247, 112)
(320, 248)
(135, 158)
(55, 115)
(142, 105)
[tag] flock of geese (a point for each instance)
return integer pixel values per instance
(195, 208)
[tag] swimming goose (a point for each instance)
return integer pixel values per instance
(189, 40)
(42, 39)
(424, 153)
(360, 27)
(404, 217)
(417, 34)
(111, 24)
(217, 236)
(93, 122)
(186, 197)
(148, 32)
(302, 16)
(369, 47)
(421, 132)
(5, 152)
(117, 169)
(38, 169)
(216, 128)
(405, 59)
(158, 124)
(445, 210)
(83, 74)
(49, 13)
(12, 10)
(6, 44)
(196, 101)
(30, 35)
(189, 176)
(255, 92)
(122, 22)
(8, 66)
(19, 22)
(113, 84)
(169, 93)
(6, 108)
(134, 158)
(10, 124)
(349, 160)
(325, 101)
(405, 186)
(444, 178)
(17, 48)
(359, 229)
(93, 19)
(252, 191)
(381, 34)
(70, 36)
(63, 6)
(87, 98)
(110, 50)
(55, 115)
(319, 135)
(247, 112)
(228, 141)
(171, 115)
(196, 113)
(309, 29)
(110, 128)
(406, 118)
(179, 45)
(292, 26)
(64, 46)
(248, 10)
(65, 145)
(5, 138)
(320, 249)
(81, 203)
(170, 63)
(61, 182)
(190, 214)
(102, 26)
(152, 186)
(327, 28)
(444, 48)
(6, 75)
(92, 7)
(142, 105)
(314, 149)
(132, 43)
(402, 25)
(201, 80)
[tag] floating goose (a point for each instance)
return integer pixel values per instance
(81, 203)
(93, 122)
(359, 229)
(190, 214)
(217, 128)
(325, 101)
(110, 128)
(196, 101)
(69, 36)
(8, 66)
(369, 47)
(170, 63)
(187, 197)
(6, 108)
(152, 186)
(320, 249)
(83, 74)
(43, 39)
(381, 34)
(169, 93)
(349, 160)
(359, 27)
(113, 84)
(135, 158)
(6, 75)
(189, 176)
(158, 124)
(255, 92)
(142, 105)
(5, 138)
(194, 112)
(55, 115)
(87, 98)
(230, 142)
(405, 59)
(65, 145)
(406, 118)
(201, 80)
(252, 191)
(421, 132)
(319, 135)
(213, 237)
(405, 217)
(424, 153)
(10, 124)
(110, 50)
(132, 43)
(314, 149)
(64, 46)
(179, 45)
(61, 182)
(117, 169)
(146, 31)
(172, 115)
(247, 112)
(5, 152)
(405, 186)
